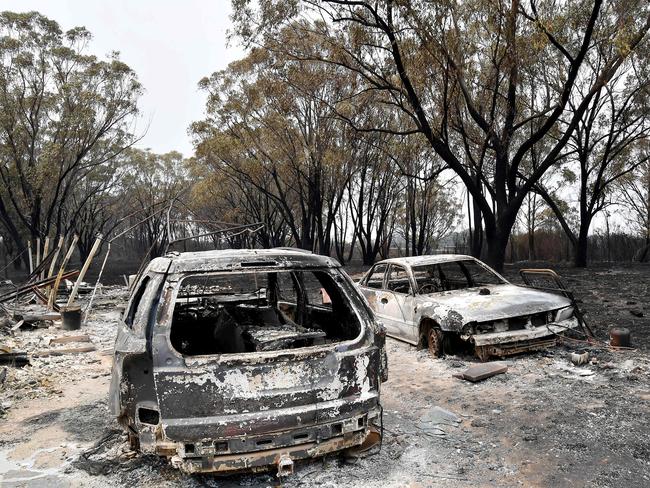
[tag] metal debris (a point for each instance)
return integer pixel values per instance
(620, 337)
(434, 421)
(69, 339)
(17, 359)
(64, 351)
(579, 358)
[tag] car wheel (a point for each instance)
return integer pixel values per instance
(434, 342)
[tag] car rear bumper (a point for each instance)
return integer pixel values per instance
(269, 422)
(525, 335)
(262, 452)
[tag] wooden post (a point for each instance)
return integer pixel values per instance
(46, 248)
(38, 251)
(29, 250)
(57, 282)
(85, 267)
(50, 271)
(99, 277)
(59, 246)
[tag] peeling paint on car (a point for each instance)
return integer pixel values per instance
(496, 313)
(245, 410)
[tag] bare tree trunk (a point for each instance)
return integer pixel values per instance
(581, 250)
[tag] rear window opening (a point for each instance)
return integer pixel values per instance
(227, 313)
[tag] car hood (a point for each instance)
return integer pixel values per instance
(503, 301)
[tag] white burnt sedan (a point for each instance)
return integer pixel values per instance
(446, 301)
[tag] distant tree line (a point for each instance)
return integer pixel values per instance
(67, 161)
(279, 146)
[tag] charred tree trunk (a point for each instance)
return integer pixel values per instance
(477, 235)
(497, 237)
(582, 249)
(496, 250)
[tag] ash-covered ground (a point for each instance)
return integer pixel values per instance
(544, 423)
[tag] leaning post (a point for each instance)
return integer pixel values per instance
(85, 267)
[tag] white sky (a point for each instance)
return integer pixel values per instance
(171, 45)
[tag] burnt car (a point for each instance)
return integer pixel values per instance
(448, 301)
(246, 359)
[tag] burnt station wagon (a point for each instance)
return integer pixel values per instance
(245, 359)
(443, 300)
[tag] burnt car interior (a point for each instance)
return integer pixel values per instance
(453, 275)
(226, 313)
(398, 280)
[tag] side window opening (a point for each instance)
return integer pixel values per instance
(135, 302)
(256, 311)
(398, 280)
(376, 277)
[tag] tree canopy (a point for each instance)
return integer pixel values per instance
(488, 84)
(65, 116)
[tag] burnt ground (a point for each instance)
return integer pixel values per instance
(610, 296)
(543, 423)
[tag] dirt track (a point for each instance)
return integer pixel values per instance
(544, 423)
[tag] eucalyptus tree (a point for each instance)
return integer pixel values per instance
(153, 192)
(373, 195)
(63, 113)
(609, 142)
(271, 126)
(221, 196)
(96, 205)
(462, 73)
(635, 199)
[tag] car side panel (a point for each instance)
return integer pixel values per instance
(398, 309)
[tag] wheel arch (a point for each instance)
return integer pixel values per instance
(426, 323)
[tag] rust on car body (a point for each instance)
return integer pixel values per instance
(233, 360)
(430, 300)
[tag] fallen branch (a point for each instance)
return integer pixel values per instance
(30, 287)
(61, 352)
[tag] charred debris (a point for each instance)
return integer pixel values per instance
(235, 360)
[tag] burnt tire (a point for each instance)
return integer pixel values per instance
(435, 339)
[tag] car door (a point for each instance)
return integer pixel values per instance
(398, 302)
(373, 288)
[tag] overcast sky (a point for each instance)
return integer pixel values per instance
(171, 45)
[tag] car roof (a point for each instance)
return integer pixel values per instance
(427, 259)
(239, 259)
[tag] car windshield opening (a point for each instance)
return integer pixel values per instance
(453, 275)
(228, 313)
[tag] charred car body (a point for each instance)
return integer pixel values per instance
(243, 359)
(445, 300)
